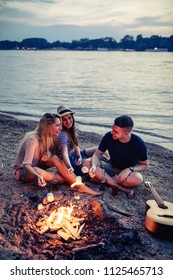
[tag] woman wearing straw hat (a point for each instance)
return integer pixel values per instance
(67, 142)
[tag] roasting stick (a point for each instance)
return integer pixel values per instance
(46, 189)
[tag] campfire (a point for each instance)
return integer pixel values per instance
(71, 226)
(61, 222)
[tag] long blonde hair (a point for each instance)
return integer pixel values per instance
(44, 133)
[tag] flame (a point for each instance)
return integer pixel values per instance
(64, 212)
(63, 223)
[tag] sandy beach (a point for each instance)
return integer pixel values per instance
(130, 239)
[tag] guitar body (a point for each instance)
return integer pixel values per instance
(158, 220)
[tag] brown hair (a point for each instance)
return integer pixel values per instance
(71, 133)
(124, 121)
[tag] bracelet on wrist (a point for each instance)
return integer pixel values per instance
(131, 168)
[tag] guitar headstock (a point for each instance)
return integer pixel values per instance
(148, 184)
(158, 199)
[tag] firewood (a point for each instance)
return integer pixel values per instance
(41, 222)
(58, 197)
(75, 219)
(71, 229)
(93, 246)
(54, 227)
(68, 232)
(51, 217)
(117, 209)
(96, 206)
(43, 229)
(80, 229)
(63, 234)
(51, 235)
(45, 201)
(74, 224)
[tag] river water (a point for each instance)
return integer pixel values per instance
(98, 86)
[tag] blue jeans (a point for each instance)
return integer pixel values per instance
(74, 159)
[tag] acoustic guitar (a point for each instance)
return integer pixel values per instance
(159, 215)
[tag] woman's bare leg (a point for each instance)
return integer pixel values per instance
(91, 151)
(49, 176)
(70, 178)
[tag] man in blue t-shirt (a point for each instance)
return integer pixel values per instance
(128, 157)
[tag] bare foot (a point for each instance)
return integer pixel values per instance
(129, 192)
(85, 189)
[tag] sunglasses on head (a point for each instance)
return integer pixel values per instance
(50, 116)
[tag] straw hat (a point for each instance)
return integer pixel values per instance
(64, 110)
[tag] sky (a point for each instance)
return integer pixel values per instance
(67, 20)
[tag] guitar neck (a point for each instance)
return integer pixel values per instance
(157, 197)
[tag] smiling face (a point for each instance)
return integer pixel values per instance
(121, 134)
(117, 132)
(56, 126)
(67, 120)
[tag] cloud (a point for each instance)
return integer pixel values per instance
(86, 17)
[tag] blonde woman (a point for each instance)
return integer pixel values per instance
(34, 156)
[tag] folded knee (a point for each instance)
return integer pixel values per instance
(54, 158)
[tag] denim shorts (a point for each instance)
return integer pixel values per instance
(109, 169)
(74, 159)
(19, 174)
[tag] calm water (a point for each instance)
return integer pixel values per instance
(98, 85)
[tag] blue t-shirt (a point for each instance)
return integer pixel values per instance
(123, 155)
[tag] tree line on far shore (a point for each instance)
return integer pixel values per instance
(128, 43)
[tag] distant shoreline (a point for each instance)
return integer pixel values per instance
(98, 50)
(128, 43)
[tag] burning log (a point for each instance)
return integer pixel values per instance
(63, 234)
(96, 206)
(50, 197)
(80, 229)
(71, 229)
(43, 229)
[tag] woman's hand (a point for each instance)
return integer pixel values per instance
(70, 170)
(79, 162)
(46, 156)
(41, 181)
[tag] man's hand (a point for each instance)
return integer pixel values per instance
(92, 171)
(122, 176)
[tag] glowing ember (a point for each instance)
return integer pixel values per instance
(77, 197)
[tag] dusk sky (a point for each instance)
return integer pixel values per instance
(67, 20)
